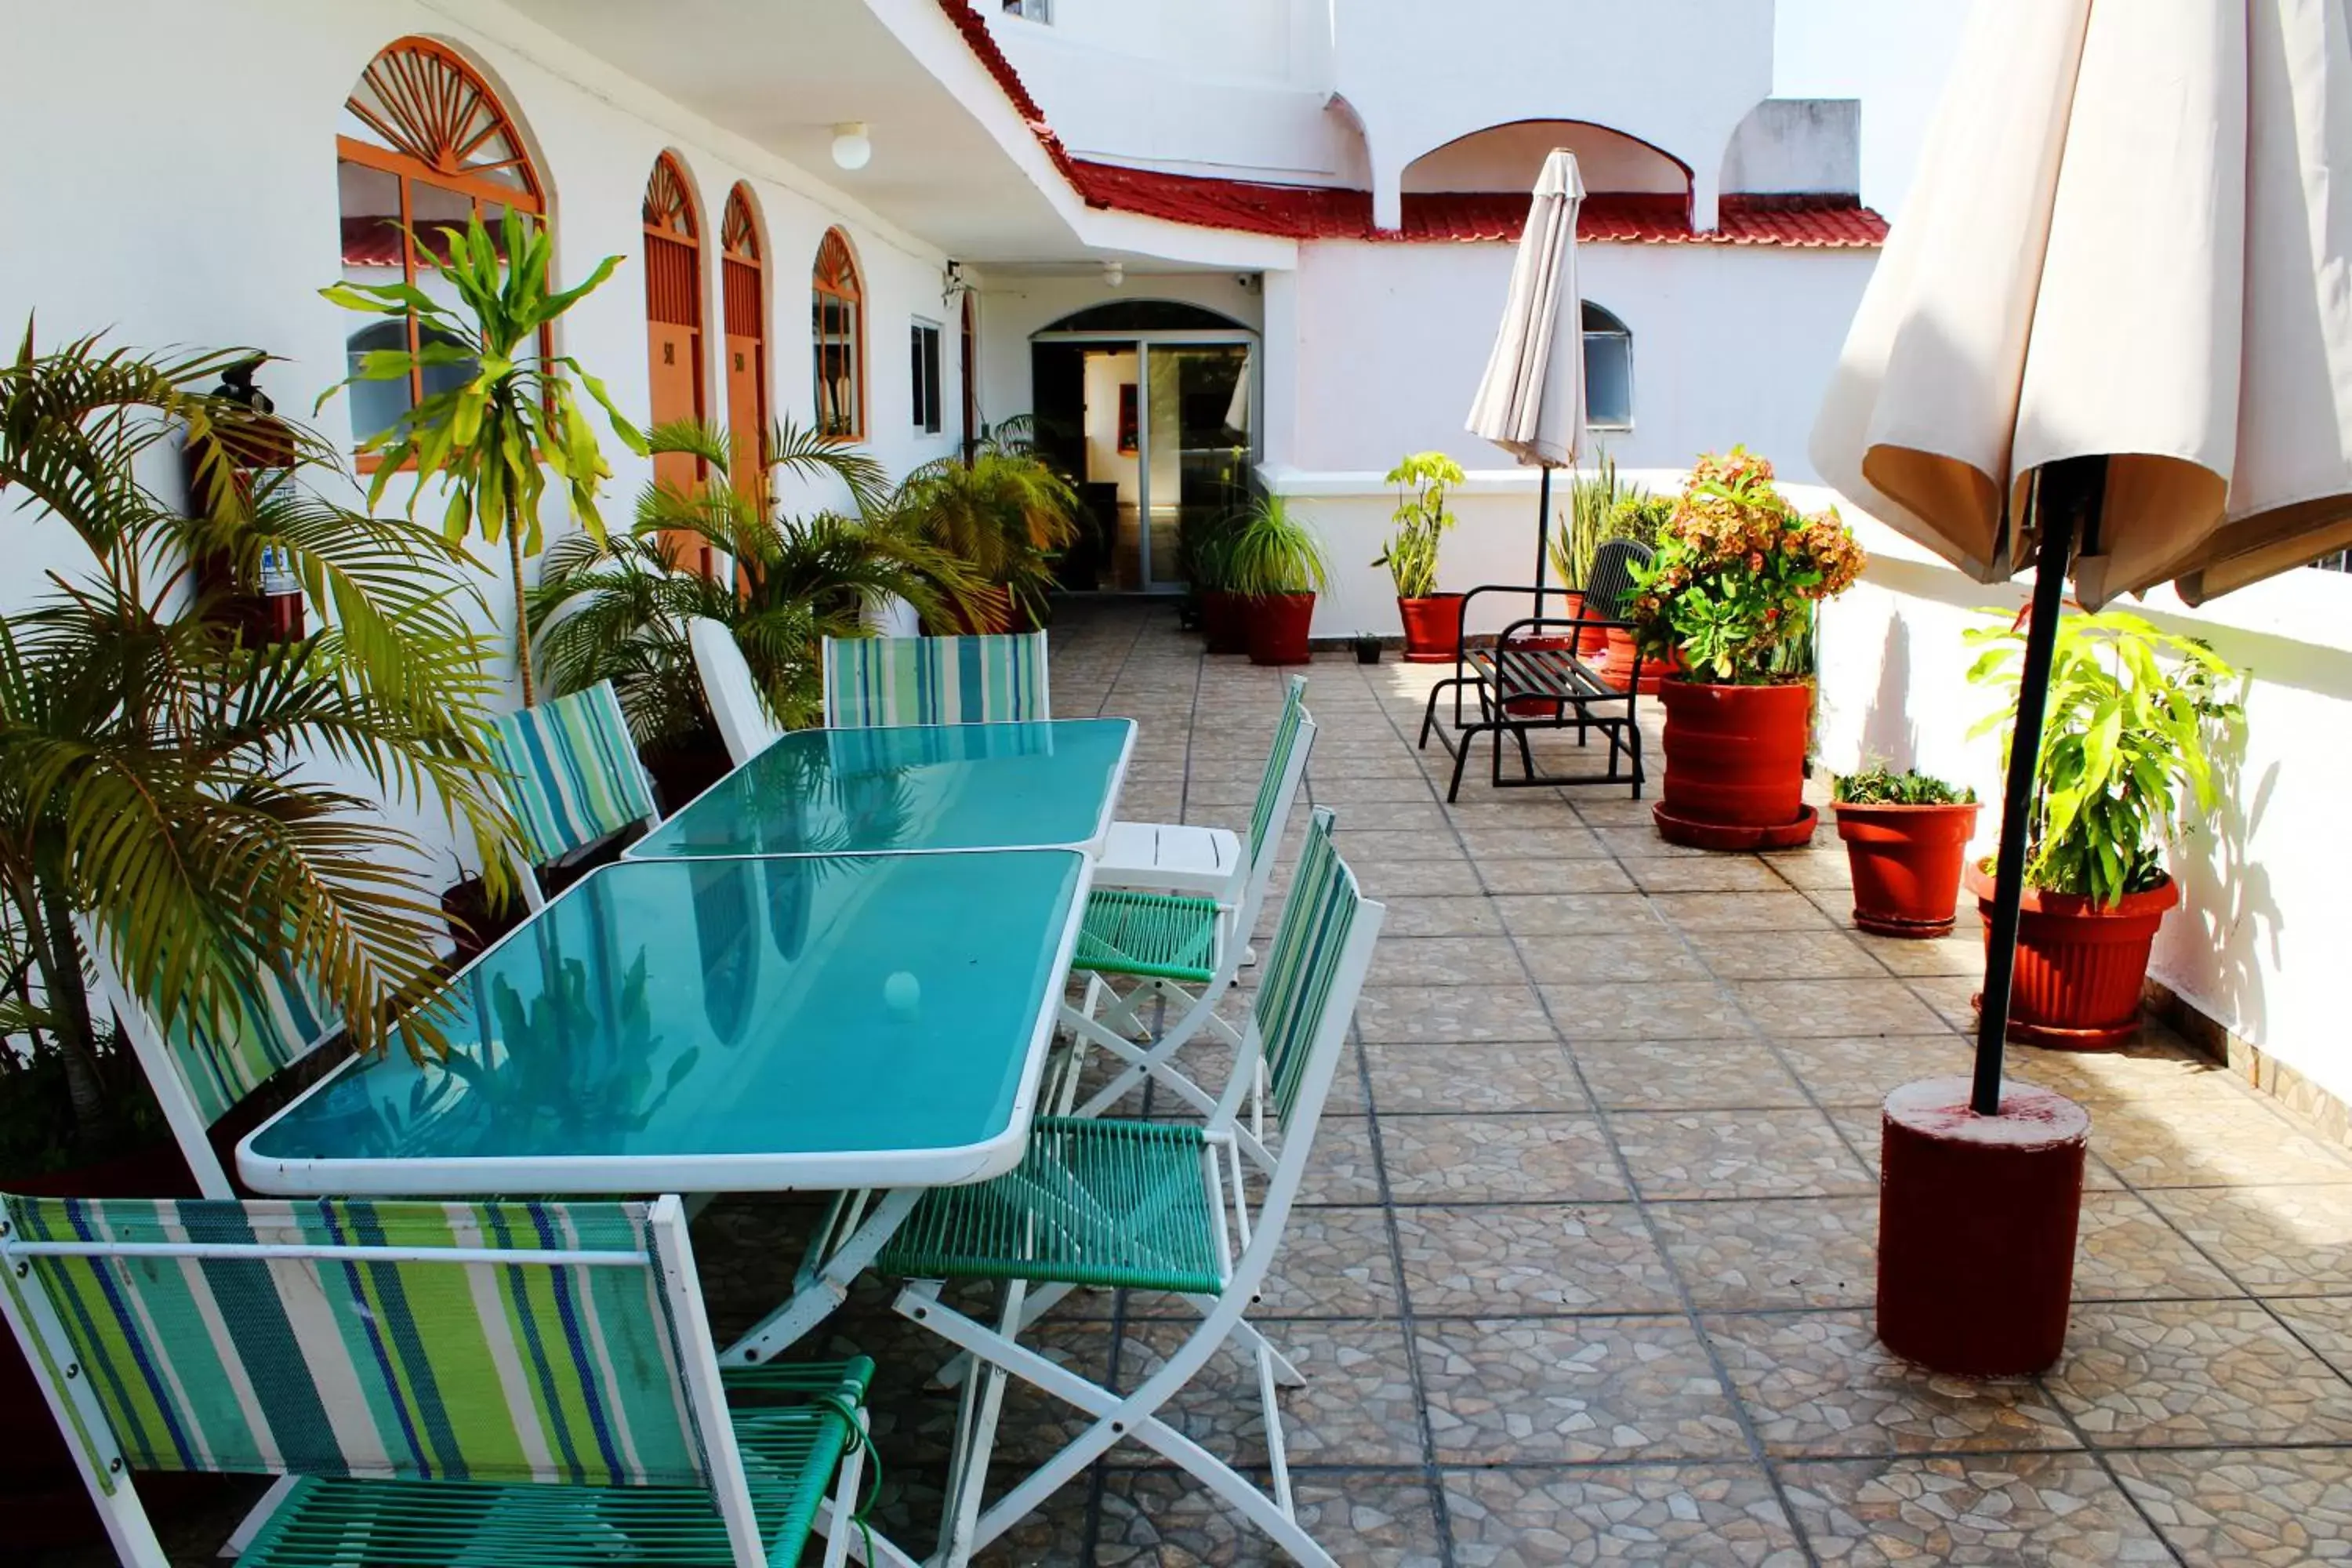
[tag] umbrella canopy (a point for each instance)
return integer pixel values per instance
(1530, 402)
(2123, 243)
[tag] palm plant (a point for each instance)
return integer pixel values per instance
(160, 775)
(1004, 512)
(1271, 551)
(615, 608)
(516, 415)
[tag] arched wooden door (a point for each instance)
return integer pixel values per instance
(743, 285)
(674, 322)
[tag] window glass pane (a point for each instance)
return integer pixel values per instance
(925, 376)
(836, 364)
(370, 202)
(1609, 379)
(376, 405)
(433, 210)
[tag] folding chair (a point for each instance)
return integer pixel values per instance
(981, 679)
(1186, 858)
(1150, 1206)
(201, 1068)
(571, 779)
(1167, 941)
(486, 1382)
(728, 688)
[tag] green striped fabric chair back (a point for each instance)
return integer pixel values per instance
(1295, 989)
(991, 680)
(272, 1343)
(572, 772)
(271, 1020)
(1263, 815)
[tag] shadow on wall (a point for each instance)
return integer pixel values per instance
(1889, 735)
(2228, 891)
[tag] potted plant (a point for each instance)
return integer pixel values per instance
(1005, 513)
(1433, 621)
(1275, 563)
(1368, 647)
(1206, 540)
(1642, 517)
(1593, 501)
(1905, 835)
(1731, 592)
(2127, 739)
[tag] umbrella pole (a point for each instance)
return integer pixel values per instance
(2060, 489)
(1543, 536)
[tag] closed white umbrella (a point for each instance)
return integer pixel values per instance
(1530, 402)
(2117, 309)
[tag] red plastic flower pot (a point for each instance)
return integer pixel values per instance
(1907, 865)
(1277, 627)
(2080, 964)
(1735, 765)
(1224, 621)
(1433, 627)
(1617, 660)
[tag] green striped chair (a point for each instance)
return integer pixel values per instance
(200, 1068)
(1184, 947)
(990, 679)
(445, 1383)
(572, 778)
(1148, 1205)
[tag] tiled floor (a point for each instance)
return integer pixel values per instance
(1585, 1269)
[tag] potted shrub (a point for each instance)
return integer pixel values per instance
(1004, 513)
(1731, 592)
(1905, 836)
(1639, 516)
(1433, 621)
(1207, 541)
(1275, 563)
(2127, 738)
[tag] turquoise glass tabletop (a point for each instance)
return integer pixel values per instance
(932, 786)
(716, 1026)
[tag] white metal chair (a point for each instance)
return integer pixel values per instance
(1154, 1207)
(477, 1382)
(1189, 857)
(728, 688)
(976, 680)
(201, 1068)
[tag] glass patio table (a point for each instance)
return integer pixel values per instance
(824, 1022)
(912, 788)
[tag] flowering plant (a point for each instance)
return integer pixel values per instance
(1734, 583)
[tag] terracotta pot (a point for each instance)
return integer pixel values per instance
(1591, 642)
(1224, 621)
(1277, 626)
(2080, 964)
(1735, 754)
(1907, 865)
(1432, 628)
(1617, 660)
(1536, 707)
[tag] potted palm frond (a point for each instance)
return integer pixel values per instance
(2125, 767)
(1905, 835)
(1275, 563)
(493, 438)
(1007, 515)
(1433, 621)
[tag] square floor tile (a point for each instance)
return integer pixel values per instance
(1738, 1155)
(1882, 1006)
(1812, 869)
(2051, 1510)
(1687, 1074)
(1705, 1514)
(1574, 914)
(1357, 1406)
(2125, 1251)
(1447, 961)
(2274, 1240)
(2192, 1373)
(1961, 953)
(1776, 1252)
(1441, 914)
(1478, 1076)
(1381, 844)
(1389, 878)
(1167, 1519)
(1341, 1170)
(1499, 1159)
(1551, 841)
(1601, 1009)
(1783, 955)
(1534, 1390)
(2323, 1323)
(1864, 1069)
(1777, 909)
(1526, 876)
(1820, 1384)
(1703, 874)
(1437, 1015)
(1531, 1258)
(2194, 1142)
(1334, 1263)
(2247, 1505)
(1637, 958)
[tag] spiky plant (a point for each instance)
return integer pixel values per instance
(171, 780)
(1004, 511)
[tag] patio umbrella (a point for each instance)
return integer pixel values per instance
(1530, 402)
(2111, 333)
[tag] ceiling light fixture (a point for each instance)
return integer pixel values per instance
(853, 149)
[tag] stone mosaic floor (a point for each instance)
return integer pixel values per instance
(1585, 1268)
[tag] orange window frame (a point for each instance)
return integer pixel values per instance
(835, 277)
(743, 311)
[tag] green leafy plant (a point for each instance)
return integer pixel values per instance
(1881, 785)
(615, 608)
(2134, 716)
(160, 771)
(1271, 551)
(1004, 512)
(1639, 515)
(1734, 581)
(1421, 518)
(492, 439)
(1601, 507)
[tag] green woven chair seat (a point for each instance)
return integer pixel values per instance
(1095, 1203)
(1160, 936)
(790, 1448)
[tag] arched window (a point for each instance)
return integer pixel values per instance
(837, 308)
(1608, 371)
(745, 294)
(424, 142)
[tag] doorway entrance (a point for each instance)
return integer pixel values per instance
(1150, 407)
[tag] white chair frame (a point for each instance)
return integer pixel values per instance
(728, 688)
